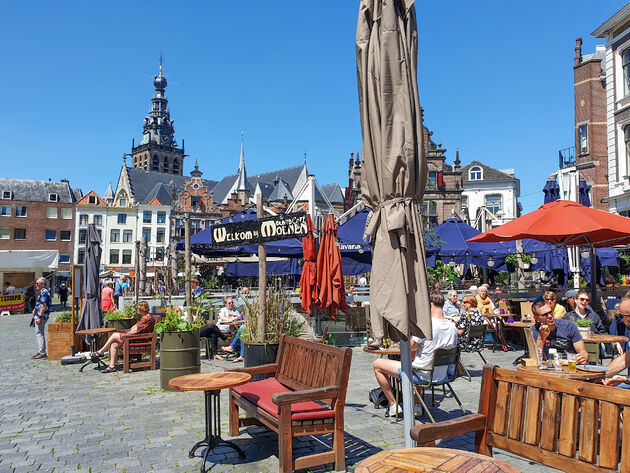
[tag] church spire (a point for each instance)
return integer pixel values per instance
(241, 184)
(158, 126)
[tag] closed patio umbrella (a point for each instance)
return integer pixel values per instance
(331, 291)
(308, 281)
(91, 313)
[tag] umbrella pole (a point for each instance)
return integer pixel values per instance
(262, 279)
(407, 389)
(594, 279)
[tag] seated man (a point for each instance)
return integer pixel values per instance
(584, 311)
(220, 329)
(622, 361)
(144, 325)
(560, 334)
(451, 305)
(444, 336)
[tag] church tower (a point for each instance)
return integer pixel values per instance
(158, 149)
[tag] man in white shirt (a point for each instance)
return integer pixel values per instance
(8, 288)
(444, 336)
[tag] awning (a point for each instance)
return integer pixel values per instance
(18, 260)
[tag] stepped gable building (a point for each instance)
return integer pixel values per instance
(492, 189)
(35, 216)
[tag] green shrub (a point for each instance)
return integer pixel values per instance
(129, 312)
(278, 321)
(66, 318)
(174, 321)
(583, 322)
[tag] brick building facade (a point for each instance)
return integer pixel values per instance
(590, 122)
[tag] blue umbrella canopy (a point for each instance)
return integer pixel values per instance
(551, 190)
(583, 191)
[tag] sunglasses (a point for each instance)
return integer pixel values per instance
(550, 298)
(584, 299)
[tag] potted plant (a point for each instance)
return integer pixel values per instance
(122, 319)
(584, 326)
(60, 336)
(179, 346)
(279, 320)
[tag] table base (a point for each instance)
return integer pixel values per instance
(93, 348)
(213, 429)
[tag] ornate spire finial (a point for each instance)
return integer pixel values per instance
(161, 58)
(457, 162)
(304, 156)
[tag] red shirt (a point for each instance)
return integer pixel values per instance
(145, 324)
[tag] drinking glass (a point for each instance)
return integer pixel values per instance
(571, 361)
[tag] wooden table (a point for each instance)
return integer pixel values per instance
(211, 384)
(604, 338)
(95, 334)
(394, 351)
(565, 373)
(519, 324)
(439, 460)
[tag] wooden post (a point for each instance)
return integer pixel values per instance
(136, 268)
(143, 266)
(519, 267)
(262, 278)
(187, 257)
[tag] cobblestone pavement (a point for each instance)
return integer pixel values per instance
(55, 419)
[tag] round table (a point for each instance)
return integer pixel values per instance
(394, 351)
(604, 338)
(211, 384)
(425, 459)
(95, 334)
(565, 373)
(519, 324)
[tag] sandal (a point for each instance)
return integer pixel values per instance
(218, 358)
(95, 355)
(109, 369)
(228, 349)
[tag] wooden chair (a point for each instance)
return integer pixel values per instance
(526, 309)
(139, 344)
(574, 426)
(531, 344)
(593, 353)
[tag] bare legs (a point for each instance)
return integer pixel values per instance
(383, 370)
(113, 345)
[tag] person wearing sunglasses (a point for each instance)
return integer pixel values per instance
(551, 299)
(622, 361)
(584, 311)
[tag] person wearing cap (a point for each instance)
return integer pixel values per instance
(569, 299)
(551, 299)
(584, 311)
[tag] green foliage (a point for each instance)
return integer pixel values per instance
(129, 312)
(278, 320)
(442, 272)
(174, 321)
(512, 258)
(503, 278)
(66, 318)
(583, 322)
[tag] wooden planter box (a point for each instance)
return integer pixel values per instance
(59, 341)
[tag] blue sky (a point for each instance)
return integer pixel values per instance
(495, 78)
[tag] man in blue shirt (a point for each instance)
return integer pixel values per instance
(40, 317)
(451, 305)
(560, 334)
(622, 361)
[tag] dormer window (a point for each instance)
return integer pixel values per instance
(7, 195)
(475, 173)
(92, 199)
(52, 197)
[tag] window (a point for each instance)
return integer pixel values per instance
(166, 163)
(626, 133)
(432, 179)
(5, 234)
(175, 166)
(92, 199)
(83, 219)
(98, 220)
(114, 236)
(82, 236)
(126, 257)
(161, 217)
(100, 233)
(7, 195)
(5, 211)
(66, 213)
(51, 235)
(583, 138)
(65, 235)
(475, 173)
(194, 201)
(19, 233)
(159, 238)
(20, 211)
(146, 216)
(51, 212)
(429, 211)
(493, 203)
(122, 202)
(625, 60)
(81, 256)
(52, 197)
(113, 256)
(127, 236)
(159, 254)
(464, 202)
(64, 257)
(146, 233)
(156, 163)
(122, 218)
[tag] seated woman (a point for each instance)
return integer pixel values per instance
(470, 317)
(235, 344)
(220, 329)
(144, 325)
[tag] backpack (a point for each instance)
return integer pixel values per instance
(377, 397)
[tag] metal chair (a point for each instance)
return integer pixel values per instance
(593, 353)
(441, 357)
(474, 331)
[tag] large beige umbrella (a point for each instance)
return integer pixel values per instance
(394, 166)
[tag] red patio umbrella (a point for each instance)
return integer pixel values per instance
(332, 294)
(308, 280)
(564, 222)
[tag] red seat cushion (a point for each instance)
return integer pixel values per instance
(261, 392)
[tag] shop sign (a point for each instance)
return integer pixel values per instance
(278, 227)
(12, 302)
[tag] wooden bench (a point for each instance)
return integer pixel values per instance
(138, 345)
(304, 372)
(574, 426)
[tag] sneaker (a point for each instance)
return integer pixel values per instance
(391, 410)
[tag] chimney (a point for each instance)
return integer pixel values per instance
(578, 51)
